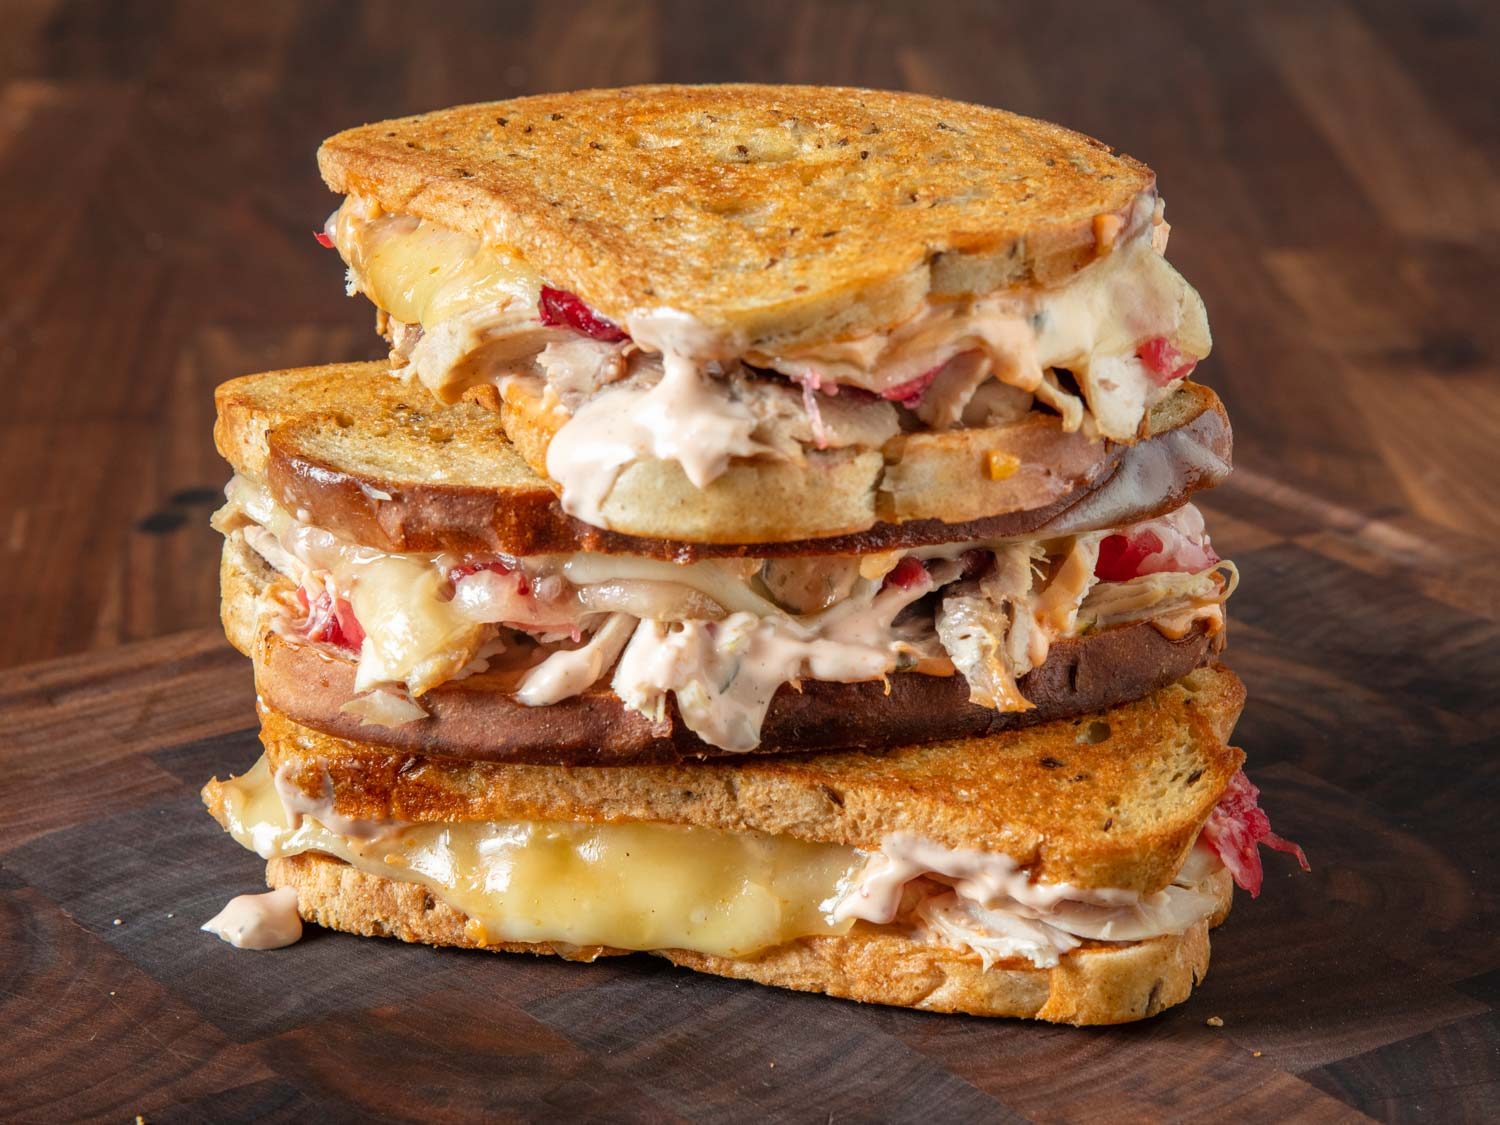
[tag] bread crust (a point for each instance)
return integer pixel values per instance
(775, 215)
(1096, 984)
(366, 456)
(1112, 799)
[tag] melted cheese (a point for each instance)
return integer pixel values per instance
(424, 274)
(626, 886)
(415, 635)
(1091, 326)
(658, 886)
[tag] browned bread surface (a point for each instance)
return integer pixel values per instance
(1112, 799)
(479, 718)
(1099, 983)
(778, 214)
(376, 459)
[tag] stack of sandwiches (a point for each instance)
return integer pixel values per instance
(768, 545)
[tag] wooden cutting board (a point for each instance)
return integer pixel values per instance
(1368, 986)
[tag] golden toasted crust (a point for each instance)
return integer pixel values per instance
(479, 718)
(1099, 983)
(243, 577)
(1113, 799)
(339, 897)
(773, 214)
(374, 459)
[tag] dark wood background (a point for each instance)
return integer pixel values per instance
(1331, 172)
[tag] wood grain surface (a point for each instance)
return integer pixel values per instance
(1330, 171)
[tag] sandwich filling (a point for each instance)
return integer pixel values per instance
(718, 637)
(643, 885)
(1097, 352)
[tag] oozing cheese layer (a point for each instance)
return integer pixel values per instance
(422, 273)
(628, 886)
(659, 886)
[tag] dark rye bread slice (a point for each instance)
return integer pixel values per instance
(479, 718)
(1112, 799)
(363, 454)
(773, 215)
(1098, 983)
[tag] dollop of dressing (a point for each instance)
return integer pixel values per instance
(268, 921)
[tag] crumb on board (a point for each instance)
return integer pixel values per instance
(1214, 1021)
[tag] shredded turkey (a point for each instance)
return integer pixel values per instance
(986, 627)
(720, 637)
(1165, 597)
(986, 903)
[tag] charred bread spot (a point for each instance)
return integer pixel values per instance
(1095, 732)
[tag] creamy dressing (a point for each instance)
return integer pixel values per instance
(724, 674)
(685, 418)
(570, 672)
(266, 921)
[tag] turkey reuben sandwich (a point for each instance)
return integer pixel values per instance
(728, 313)
(723, 423)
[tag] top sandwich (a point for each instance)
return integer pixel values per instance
(692, 304)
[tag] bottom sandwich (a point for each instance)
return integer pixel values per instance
(1069, 872)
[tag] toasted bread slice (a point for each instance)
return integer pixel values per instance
(775, 215)
(1113, 799)
(1099, 983)
(365, 455)
(479, 717)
